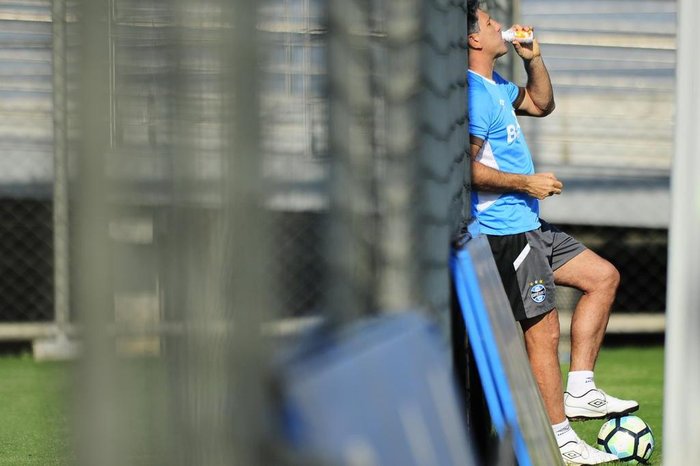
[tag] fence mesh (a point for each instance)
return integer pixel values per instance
(378, 88)
(597, 55)
(323, 178)
(26, 170)
(239, 165)
(294, 118)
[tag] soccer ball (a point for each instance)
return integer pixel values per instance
(627, 437)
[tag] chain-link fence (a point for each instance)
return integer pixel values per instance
(613, 56)
(234, 165)
(612, 66)
(245, 165)
(26, 290)
(296, 111)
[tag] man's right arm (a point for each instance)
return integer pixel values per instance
(484, 178)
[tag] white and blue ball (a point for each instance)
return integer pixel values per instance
(628, 437)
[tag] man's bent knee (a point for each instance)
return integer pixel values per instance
(609, 278)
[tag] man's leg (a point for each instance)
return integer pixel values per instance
(598, 279)
(542, 343)
(525, 268)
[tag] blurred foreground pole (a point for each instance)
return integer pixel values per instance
(100, 440)
(199, 397)
(352, 236)
(443, 171)
(245, 242)
(681, 409)
(400, 82)
(216, 286)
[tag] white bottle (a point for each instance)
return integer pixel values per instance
(524, 37)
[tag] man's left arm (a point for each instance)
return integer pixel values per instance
(538, 100)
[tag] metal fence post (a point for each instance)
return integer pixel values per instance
(60, 181)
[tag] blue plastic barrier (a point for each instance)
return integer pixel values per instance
(380, 394)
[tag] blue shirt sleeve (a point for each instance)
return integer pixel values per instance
(480, 112)
(511, 89)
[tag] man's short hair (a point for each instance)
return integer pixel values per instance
(472, 18)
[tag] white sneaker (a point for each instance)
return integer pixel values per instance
(579, 452)
(596, 404)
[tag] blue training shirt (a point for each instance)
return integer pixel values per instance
(492, 118)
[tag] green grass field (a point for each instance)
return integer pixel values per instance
(35, 428)
(631, 373)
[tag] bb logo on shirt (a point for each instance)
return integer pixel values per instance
(512, 133)
(538, 293)
(513, 130)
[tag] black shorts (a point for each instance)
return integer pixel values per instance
(526, 263)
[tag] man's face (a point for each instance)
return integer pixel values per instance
(490, 35)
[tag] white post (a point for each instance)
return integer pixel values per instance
(681, 413)
(60, 188)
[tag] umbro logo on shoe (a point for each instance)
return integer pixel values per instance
(580, 453)
(597, 403)
(571, 455)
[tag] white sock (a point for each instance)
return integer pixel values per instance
(564, 433)
(580, 382)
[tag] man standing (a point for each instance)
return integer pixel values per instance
(533, 256)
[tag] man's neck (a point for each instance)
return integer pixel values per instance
(486, 72)
(482, 67)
